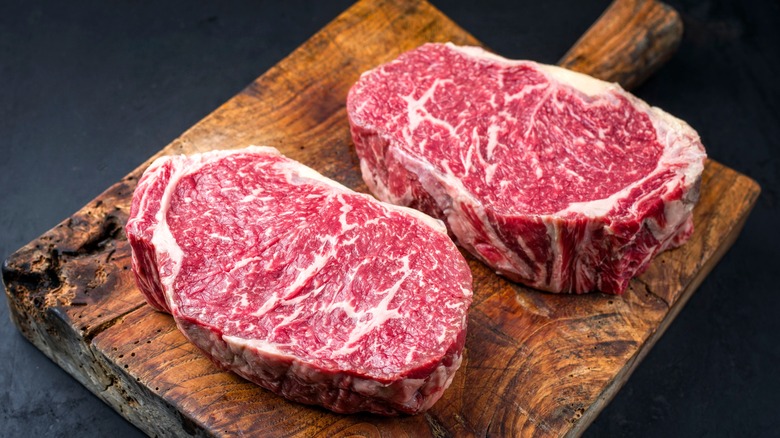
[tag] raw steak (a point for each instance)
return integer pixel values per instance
(553, 178)
(313, 291)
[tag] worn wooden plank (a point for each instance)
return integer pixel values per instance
(629, 42)
(535, 363)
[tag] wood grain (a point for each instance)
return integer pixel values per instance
(535, 363)
(629, 42)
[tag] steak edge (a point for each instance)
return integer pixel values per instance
(289, 279)
(552, 178)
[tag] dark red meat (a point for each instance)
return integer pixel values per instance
(311, 290)
(553, 178)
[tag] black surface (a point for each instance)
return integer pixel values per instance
(88, 91)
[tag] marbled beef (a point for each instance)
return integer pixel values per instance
(551, 177)
(318, 293)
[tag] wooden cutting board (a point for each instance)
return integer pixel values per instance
(535, 363)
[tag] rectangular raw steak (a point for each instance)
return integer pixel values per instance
(315, 292)
(554, 179)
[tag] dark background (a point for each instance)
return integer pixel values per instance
(88, 91)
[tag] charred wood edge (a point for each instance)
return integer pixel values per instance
(34, 273)
(109, 229)
(630, 41)
(609, 392)
(36, 268)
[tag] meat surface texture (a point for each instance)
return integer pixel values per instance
(553, 178)
(315, 292)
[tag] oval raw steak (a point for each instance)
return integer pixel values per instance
(553, 178)
(318, 293)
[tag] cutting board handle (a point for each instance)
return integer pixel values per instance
(628, 43)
